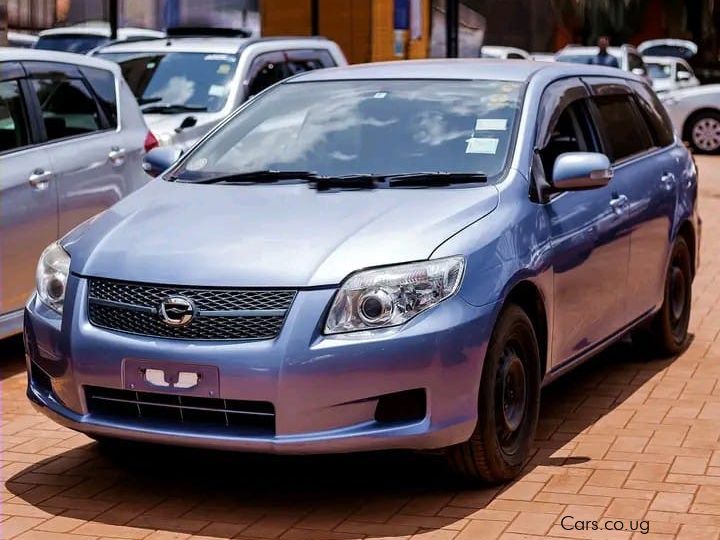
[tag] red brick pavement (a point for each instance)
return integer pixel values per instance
(622, 439)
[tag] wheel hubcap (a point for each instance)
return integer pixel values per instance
(706, 134)
(513, 393)
(678, 294)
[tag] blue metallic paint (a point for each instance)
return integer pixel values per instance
(584, 260)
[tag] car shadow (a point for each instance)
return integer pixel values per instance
(12, 359)
(387, 493)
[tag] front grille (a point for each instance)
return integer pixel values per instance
(234, 417)
(220, 314)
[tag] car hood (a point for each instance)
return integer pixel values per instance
(284, 235)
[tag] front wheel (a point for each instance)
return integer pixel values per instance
(508, 403)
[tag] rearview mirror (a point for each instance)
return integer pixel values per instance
(159, 159)
(577, 171)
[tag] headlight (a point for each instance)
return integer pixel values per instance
(51, 276)
(393, 295)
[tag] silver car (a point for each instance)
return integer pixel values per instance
(187, 85)
(71, 144)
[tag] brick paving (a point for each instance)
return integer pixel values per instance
(623, 439)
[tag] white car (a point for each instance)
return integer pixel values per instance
(186, 85)
(84, 37)
(695, 113)
(627, 56)
(670, 73)
(504, 53)
(21, 39)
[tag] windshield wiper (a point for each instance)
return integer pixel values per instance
(436, 178)
(171, 109)
(358, 181)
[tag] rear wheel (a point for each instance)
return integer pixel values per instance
(508, 403)
(668, 331)
(703, 132)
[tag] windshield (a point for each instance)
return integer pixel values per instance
(677, 51)
(379, 127)
(77, 43)
(659, 71)
(176, 81)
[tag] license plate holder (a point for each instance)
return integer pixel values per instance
(164, 376)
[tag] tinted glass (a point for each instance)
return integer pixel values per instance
(659, 71)
(68, 108)
(301, 61)
(266, 70)
(78, 43)
(13, 126)
(168, 82)
(654, 113)
(635, 62)
(625, 131)
(103, 84)
(579, 58)
(669, 50)
(367, 127)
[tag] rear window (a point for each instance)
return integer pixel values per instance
(103, 84)
(77, 43)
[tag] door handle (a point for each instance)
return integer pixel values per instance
(668, 181)
(619, 204)
(117, 155)
(39, 179)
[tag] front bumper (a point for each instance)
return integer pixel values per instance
(324, 390)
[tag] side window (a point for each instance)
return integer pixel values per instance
(636, 62)
(572, 132)
(625, 131)
(103, 84)
(266, 70)
(67, 107)
(515, 56)
(13, 120)
(683, 73)
(299, 61)
(654, 113)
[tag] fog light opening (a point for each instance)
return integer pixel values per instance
(402, 407)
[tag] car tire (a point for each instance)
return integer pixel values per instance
(703, 132)
(508, 404)
(667, 334)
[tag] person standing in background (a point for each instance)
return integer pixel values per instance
(603, 57)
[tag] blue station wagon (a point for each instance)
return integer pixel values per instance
(372, 257)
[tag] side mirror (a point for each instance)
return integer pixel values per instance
(683, 76)
(577, 171)
(188, 122)
(159, 159)
(639, 71)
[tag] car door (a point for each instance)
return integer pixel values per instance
(28, 196)
(589, 237)
(639, 140)
(86, 153)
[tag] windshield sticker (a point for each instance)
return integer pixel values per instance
(491, 124)
(380, 95)
(477, 145)
(197, 164)
(220, 57)
(217, 90)
(223, 69)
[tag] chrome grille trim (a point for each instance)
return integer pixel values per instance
(222, 313)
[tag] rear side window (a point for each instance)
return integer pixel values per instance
(654, 114)
(625, 131)
(299, 61)
(13, 125)
(635, 62)
(266, 70)
(102, 83)
(68, 108)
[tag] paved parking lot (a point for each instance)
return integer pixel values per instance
(625, 438)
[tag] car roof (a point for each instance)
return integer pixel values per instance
(457, 69)
(100, 30)
(205, 44)
(19, 54)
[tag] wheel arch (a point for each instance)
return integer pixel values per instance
(526, 295)
(687, 232)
